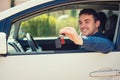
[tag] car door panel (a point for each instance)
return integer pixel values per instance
(68, 66)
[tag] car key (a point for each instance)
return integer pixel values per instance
(60, 41)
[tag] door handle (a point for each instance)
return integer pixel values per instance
(105, 73)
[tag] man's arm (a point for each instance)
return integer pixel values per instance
(90, 43)
(97, 44)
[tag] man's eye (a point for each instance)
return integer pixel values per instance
(87, 22)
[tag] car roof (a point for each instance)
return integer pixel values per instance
(21, 7)
(32, 3)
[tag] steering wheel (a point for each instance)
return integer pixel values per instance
(32, 43)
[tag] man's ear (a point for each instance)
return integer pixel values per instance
(97, 23)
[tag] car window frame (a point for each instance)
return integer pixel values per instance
(116, 39)
(19, 23)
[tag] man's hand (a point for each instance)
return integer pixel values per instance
(72, 34)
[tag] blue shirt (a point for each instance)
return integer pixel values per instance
(97, 42)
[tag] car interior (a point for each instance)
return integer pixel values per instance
(26, 37)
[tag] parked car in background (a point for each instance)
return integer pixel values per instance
(28, 50)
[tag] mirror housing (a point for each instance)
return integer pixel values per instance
(3, 43)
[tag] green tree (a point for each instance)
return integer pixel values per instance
(42, 26)
(73, 12)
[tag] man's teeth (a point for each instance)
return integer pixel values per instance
(84, 30)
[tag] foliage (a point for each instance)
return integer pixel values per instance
(73, 13)
(68, 22)
(42, 26)
(47, 26)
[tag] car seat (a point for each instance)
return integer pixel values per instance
(103, 19)
(111, 26)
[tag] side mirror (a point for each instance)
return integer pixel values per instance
(3, 43)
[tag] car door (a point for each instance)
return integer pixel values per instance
(66, 66)
(57, 64)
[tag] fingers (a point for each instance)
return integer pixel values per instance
(72, 34)
(67, 30)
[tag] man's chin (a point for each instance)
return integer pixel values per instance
(84, 34)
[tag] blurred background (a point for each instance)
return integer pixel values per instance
(6, 4)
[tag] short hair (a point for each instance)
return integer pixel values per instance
(90, 11)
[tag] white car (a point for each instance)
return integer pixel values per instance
(27, 42)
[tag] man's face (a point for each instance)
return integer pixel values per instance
(87, 25)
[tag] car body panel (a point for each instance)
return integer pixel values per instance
(70, 66)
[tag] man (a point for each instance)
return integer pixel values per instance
(90, 38)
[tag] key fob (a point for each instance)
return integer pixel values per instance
(60, 41)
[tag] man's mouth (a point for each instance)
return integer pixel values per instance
(84, 30)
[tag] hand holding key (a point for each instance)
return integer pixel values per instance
(72, 34)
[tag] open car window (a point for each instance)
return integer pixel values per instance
(48, 24)
(44, 27)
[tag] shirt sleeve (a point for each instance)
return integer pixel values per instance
(97, 44)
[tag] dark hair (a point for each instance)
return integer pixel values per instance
(90, 12)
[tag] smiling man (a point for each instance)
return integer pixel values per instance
(90, 38)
